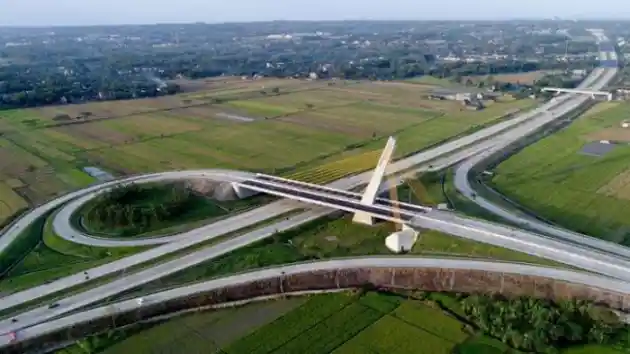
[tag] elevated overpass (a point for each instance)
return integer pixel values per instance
(592, 93)
(578, 253)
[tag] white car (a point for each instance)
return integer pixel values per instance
(140, 301)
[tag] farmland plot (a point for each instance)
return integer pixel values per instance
(584, 193)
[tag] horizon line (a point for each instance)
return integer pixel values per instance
(506, 19)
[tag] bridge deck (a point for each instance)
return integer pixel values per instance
(349, 204)
(339, 192)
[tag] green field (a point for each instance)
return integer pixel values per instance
(211, 330)
(313, 124)
(299, 126)
(585, 193)
(339, 323)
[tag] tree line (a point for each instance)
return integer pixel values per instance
(142, 61)
(541, 326)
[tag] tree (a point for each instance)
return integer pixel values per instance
(540, 326)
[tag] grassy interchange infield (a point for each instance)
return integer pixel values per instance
(199, 210)
(337, 236)
(52, 257)
(589, 194)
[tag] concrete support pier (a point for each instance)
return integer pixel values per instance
(375, 182)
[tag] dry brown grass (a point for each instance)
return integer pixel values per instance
(10, 201)
(614, 134)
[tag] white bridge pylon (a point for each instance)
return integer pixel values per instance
(369, 196)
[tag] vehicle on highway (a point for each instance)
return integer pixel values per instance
(53, 305)
(140, 301)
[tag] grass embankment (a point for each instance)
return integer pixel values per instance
(370, 322)
(50, 257)
(25, 242)
(554, 180)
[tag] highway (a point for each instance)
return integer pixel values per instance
(287, 270)
(524, 241)
(458, 149)
(463, 185)
(186, 240)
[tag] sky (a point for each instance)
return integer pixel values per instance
(97, 12)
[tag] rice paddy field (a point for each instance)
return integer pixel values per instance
(558, 180)
(269, 125)
(338, 323)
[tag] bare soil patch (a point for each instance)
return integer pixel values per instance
(613, 134)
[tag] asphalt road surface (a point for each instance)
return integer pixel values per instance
(384, 262)
(463, 171)
(496, 234)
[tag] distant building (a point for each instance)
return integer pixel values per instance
(470, 100)
(279, 36)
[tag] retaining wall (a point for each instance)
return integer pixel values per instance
(427, 279)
